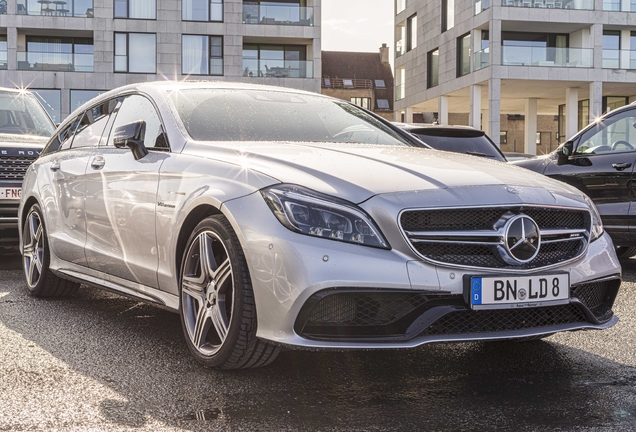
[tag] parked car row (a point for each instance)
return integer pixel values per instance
(272, 218)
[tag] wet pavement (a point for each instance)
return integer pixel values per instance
(102, 362)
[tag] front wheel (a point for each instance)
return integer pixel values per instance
(41, 282)
(217, 307)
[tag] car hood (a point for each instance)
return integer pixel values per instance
(357, 172)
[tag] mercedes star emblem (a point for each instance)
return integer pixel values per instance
(522, 238)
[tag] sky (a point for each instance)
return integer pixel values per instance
(357, 25)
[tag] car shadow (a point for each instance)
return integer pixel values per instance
(137, 352)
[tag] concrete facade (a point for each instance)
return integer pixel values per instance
(501, 80)
(169, 28)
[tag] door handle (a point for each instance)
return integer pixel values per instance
(98, 162)
(55, 166)
(621, 166)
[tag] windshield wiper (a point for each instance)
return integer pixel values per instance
(474, 153)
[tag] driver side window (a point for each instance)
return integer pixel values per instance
(614, 135)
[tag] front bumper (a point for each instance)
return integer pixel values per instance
(289, 271)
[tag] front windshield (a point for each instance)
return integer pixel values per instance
(264, 115)
(21, 114)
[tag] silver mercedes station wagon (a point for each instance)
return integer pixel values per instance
(271, 218)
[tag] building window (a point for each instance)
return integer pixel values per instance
(610, 103)
(379, 84)
(278, 61)
(503, 137)
(3, 51)
(383, 104)
(362, 102)
(202, 10)
(136, 52)
(411, 32)
(50, 53)
(51, 100)
(80, 97)
(201, 55)
(611, 49)
(400, 5)
(463, 55)
(136, 9)
(432, 62)
(448, 15)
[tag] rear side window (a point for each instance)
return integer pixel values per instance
(91, 127)
(460, 141)
(64, 138)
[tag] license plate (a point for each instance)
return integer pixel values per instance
(502, 292)
(10, 193)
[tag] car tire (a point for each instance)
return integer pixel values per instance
(625, 252)
(36, 258)
(217, 307)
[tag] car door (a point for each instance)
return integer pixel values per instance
(121, 199)
(602, 166)
(65, 160)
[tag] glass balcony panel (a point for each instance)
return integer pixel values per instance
(481, 59)
(263, 13)
(619, 59)
(278, 68)
(400, 47)
(399, 92)
(75, 8)
(551, 4)
(55, 61)
(547, 56)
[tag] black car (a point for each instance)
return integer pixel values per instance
(458, 139)
(25, 127)
(599, 160)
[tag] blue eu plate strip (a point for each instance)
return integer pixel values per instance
(475, 292)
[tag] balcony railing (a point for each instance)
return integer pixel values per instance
(278, 68)
(293, 14)
(481, 59)
(399, 92)
(619, 59)
(345, 83)
(546, 56)
(481, 5)
(59, 62)
(551, 4)
(619, 6)
(74, 8)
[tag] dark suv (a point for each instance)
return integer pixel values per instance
(457, 139)
(599, 160)
(25, 127)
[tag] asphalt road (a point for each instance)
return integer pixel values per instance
(102, 362)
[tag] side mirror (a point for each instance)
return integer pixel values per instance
(131, 135)
(564, 152)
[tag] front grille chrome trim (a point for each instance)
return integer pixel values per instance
(494, 237)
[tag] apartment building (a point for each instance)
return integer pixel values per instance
(68, 51)
(363, 78)
(527, 60)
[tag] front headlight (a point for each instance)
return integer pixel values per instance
(597, 224)
(308, 212)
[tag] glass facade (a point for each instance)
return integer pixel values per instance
(136, 52)
(278, 13)
(432, 68)
(3, 52)
(411, 32)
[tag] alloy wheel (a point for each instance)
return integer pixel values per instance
(207, 293)
(33, 248)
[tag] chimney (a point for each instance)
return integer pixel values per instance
(384, 53)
